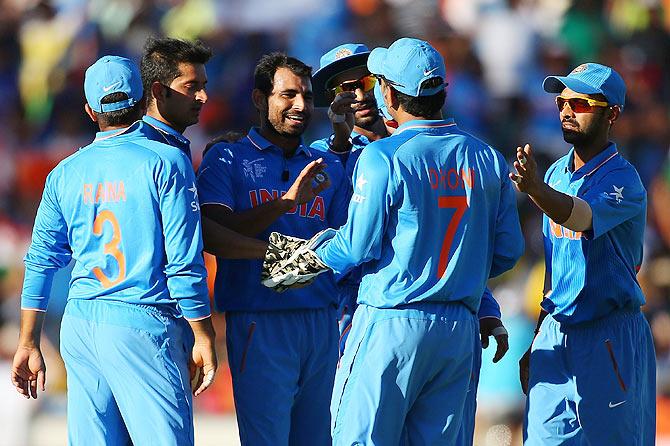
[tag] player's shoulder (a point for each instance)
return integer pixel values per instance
(621, 170)
(321, 145)
(228, 151)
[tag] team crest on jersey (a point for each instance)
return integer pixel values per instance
(344, 52)
(253, 169)
(580, 68)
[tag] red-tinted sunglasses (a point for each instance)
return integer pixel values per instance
(579, 105)
(366, 83)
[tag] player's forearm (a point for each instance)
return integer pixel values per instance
(556, 205)
(31, 328)
(203, 329)
(252, 221)
(341, 135)
(228, 244)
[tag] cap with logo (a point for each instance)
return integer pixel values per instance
(112, 74)
(407, 64)
(590, 78)
(339, 59)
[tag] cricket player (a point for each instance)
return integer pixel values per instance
(175, 79)
(432, 217)
(592, 365)
(134, 234)
(344, 79)
(282, 348)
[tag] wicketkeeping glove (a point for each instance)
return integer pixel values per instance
(297, 265)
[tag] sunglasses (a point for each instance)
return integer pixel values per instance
(366, 83)
(579, 105)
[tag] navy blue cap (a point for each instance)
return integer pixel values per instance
(590, 78)
(112, 74)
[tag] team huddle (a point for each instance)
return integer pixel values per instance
(352, 271)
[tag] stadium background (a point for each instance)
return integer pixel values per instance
(497, 53)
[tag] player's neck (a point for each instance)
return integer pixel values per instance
(288, 144)
(586, 152)
(402, 117)
(156, 114)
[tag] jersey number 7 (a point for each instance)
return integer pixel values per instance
(460, 203)
(111, 248)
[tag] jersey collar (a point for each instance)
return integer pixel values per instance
(594, 163)
(107, 134)
(423, 124)
(164, 128)
(256, 140)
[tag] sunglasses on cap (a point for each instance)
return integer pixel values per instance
(580, 105)
(366, 83)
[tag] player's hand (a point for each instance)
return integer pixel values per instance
(303, 189)
(203, 364)
(491, 326)
(524, 368)
(526, 179)
(29, 371)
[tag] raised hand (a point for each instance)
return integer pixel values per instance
(303, 189)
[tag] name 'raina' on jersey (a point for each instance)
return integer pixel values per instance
(109, 191)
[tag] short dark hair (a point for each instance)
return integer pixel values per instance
(162, 56)
(267, 66)
(423, 106)
(118, 118)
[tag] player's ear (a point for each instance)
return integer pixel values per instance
(259, 99)
(159, 91)
(91, 114)
(390, 97)
(614, 113)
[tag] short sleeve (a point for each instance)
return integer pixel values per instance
(215, 176)
(616, 198)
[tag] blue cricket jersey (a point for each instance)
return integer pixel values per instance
(349, 158)
(125, 209)
(168, 135)
(248, 173)
(349, 285)
(432, 217)
(595, 272)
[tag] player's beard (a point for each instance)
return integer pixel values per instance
(281, 123)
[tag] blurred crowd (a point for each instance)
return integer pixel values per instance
(497, 54)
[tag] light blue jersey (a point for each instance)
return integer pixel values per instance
(594, 273)
(428, 181)
(129, 217)
(248, 173)
(166, 134)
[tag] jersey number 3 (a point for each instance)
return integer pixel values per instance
(460, 203)
(111, 248)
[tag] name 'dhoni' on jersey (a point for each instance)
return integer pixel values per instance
(317, 208)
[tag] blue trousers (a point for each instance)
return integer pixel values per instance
(592, 384)
(404, 375)
(283, 366)
(127, 374)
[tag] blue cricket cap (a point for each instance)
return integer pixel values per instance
(380, 103)
(590, 78)
(407, 63)
(339, 59)
(112, 74)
